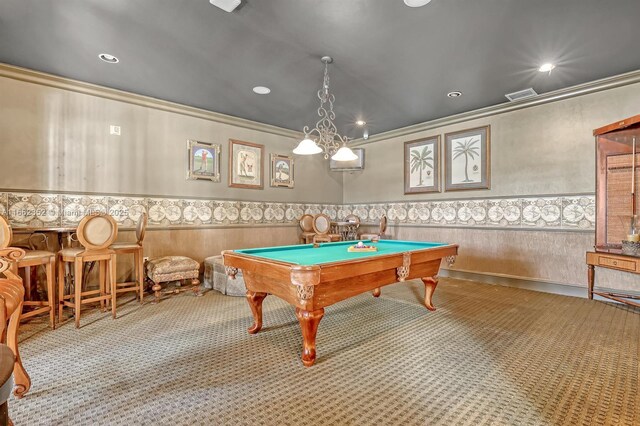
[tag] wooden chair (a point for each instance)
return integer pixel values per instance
(33, 259)
(382, 227)
(354, 224)
(11, 299)
(322, 227)
(136, 250)
(306, 224)
(7, 359)
(96, 232)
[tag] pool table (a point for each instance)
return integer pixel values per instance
(313, 276)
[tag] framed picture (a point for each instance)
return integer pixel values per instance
(467, 159)
(245, 164)
(422, 165)
(281, 171)
(204, 161)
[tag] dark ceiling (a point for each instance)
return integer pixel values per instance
(393, 64)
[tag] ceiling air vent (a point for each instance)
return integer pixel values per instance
(522, 94)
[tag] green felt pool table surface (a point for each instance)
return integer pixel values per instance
(334, 252)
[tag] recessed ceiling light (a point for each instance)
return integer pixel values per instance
(360, 122)
(261, 90)
(548, 67)
(110, 59)
(416, 3)
(454, 94)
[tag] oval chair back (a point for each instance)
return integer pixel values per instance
(5, 233)
(383, 225)
(321, 224)
(97, 231)
(141, 227)
(306, 223)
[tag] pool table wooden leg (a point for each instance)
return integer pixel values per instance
(430, 284)
(255, 303)
(309, 321)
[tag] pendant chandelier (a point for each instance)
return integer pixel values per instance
(324, 138)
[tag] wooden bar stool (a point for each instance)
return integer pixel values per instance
(11, 299)
(33, 259)
(137, 251)
(96, 232)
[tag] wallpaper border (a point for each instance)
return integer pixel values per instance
(41, 210)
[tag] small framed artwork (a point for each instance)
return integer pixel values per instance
(468, 159)
(281, 171)
(422, 165)
(245, 164)
(204, 161)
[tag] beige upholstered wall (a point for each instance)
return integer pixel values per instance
(545, 149)
(57, 139)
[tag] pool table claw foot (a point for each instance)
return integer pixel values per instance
(376, 292)
(255, 303)
(430, 284)
(309, 321)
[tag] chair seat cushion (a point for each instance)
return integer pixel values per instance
(171, 268)
(71, 251)
(123, 246)
(36, 254)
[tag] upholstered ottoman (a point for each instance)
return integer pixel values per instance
(173, 268)
(216, 278)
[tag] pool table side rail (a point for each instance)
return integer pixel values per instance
(249, 255)
(311, 275)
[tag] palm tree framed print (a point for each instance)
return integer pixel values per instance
(422, 165)
(467, 159)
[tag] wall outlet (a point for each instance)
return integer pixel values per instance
(114, 130)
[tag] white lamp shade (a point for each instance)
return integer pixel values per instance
(226, 5)
(307, 147)
(416, 3)
(344, 154)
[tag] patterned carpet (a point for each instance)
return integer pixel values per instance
(488, 355)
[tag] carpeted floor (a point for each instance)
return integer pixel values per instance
(488, 355)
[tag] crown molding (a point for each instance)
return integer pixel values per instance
(44, 79)
(557, 95)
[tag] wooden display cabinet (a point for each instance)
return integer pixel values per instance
(616, 201)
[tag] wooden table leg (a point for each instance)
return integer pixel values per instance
(255, 303)
(591, 275)
(430, 284)
(309, 321)
(376, 292)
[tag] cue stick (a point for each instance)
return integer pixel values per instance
(633, 179)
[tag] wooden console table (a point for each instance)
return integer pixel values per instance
(615, 261)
